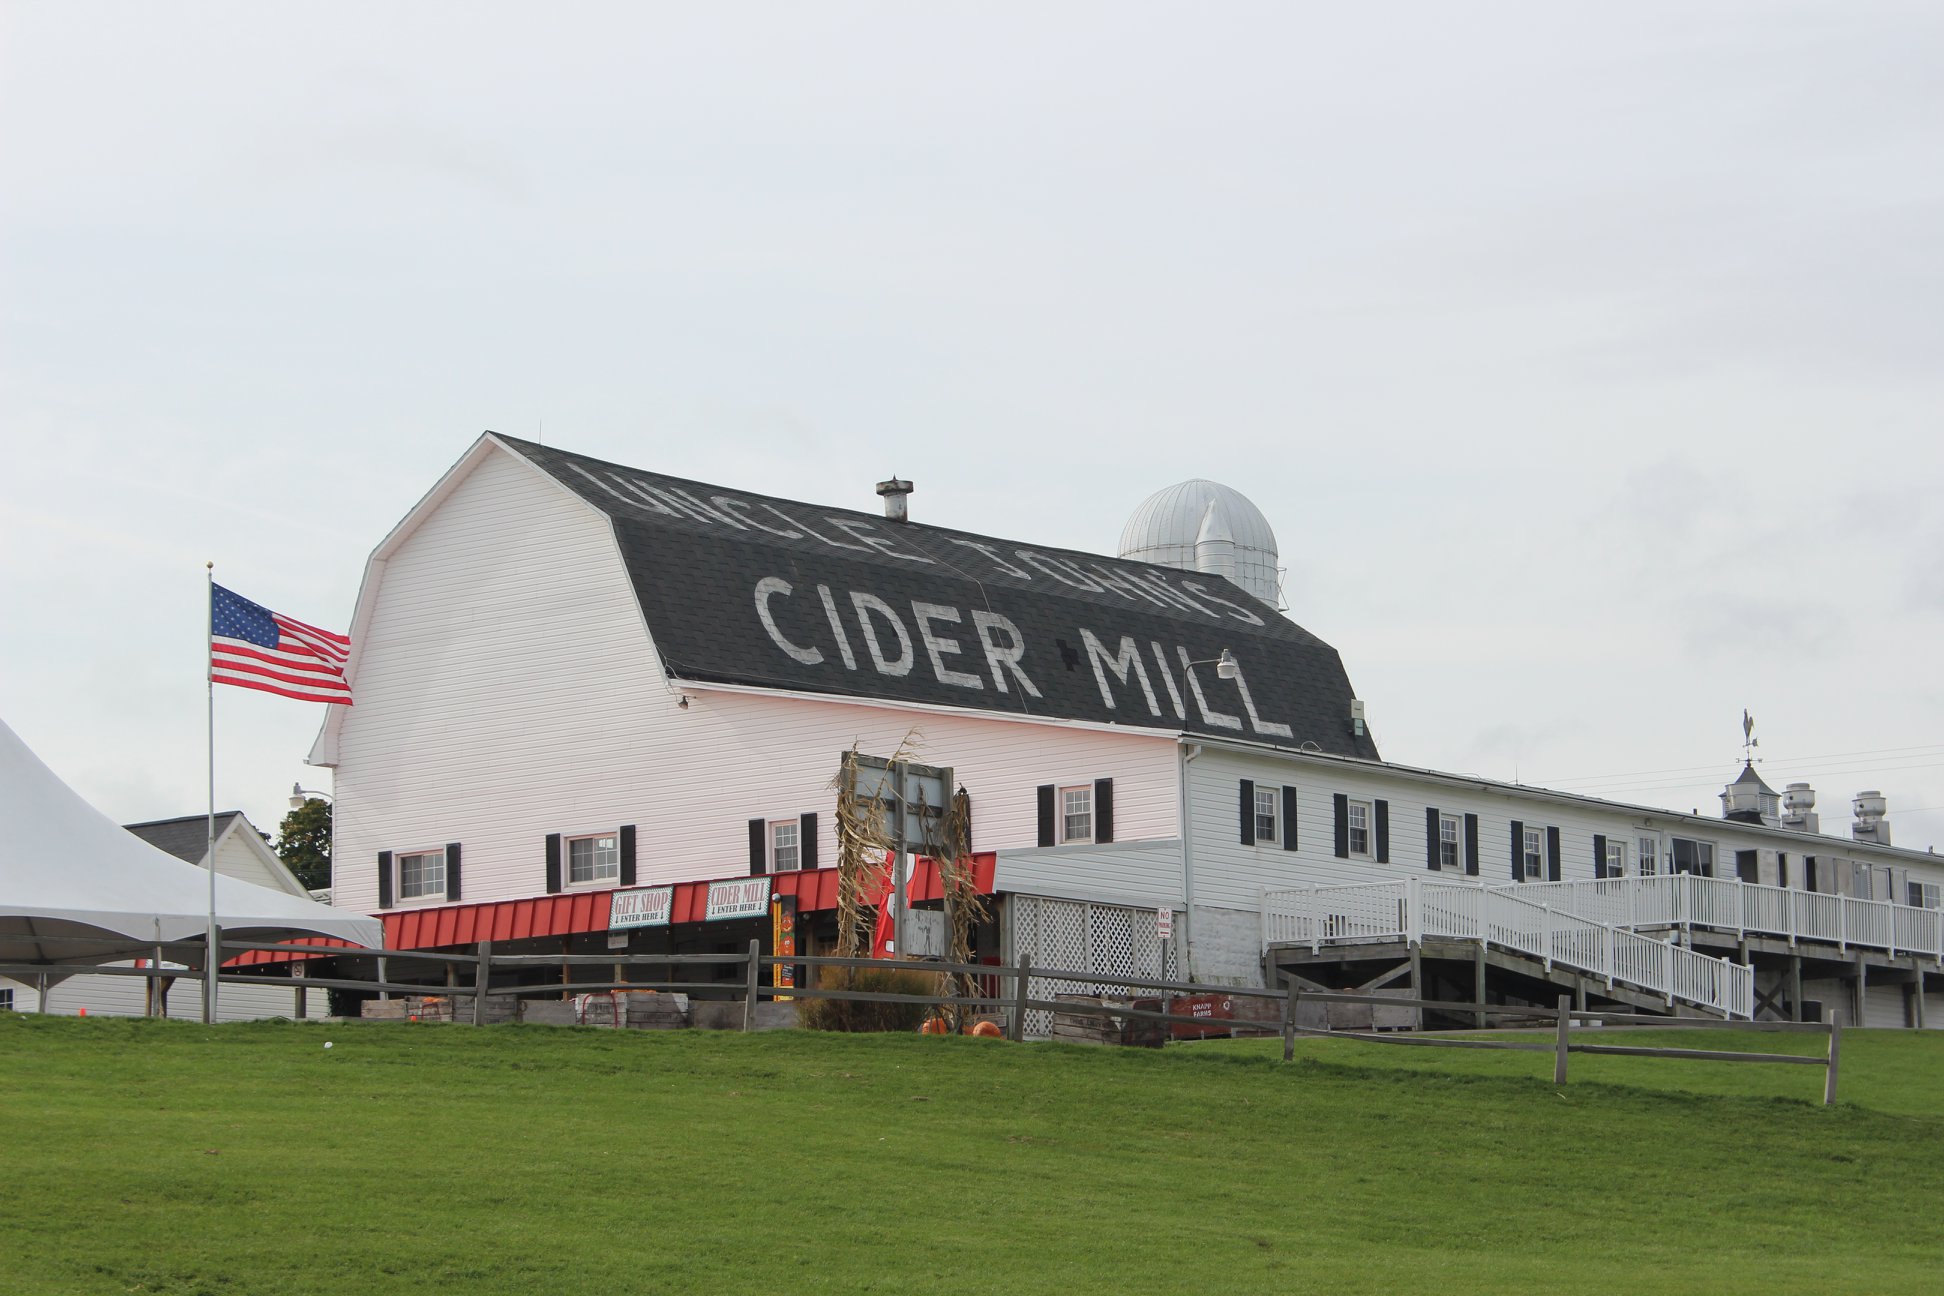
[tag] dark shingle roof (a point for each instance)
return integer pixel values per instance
(186, 838)
(754, 590)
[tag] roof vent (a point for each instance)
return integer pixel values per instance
(1870, 807)
(894, 493)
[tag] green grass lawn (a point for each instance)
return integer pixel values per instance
(168, 1157)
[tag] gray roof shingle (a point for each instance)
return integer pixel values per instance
(755, 590)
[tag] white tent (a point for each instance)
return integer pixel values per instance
(76, 888)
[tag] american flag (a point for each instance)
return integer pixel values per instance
(252, 647)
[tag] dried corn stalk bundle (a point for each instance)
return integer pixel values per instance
(965, 908)
(863, 837)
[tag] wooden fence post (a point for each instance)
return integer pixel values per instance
(1559, 1047)
(1016, 1028)
(749, 987)
(1290, 993)
(1835, 1051)
(482, 978)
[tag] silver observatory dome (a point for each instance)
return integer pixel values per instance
(1205, 526)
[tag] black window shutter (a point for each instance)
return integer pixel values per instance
(1046, 814)
(1471, 844)
(758, 847)
(1518, 851)
(1382, 810)
(1552, 854)
(1103, 810)
(553, 862)
(807, 841)
(1342, 803)
(1782, 869)
(1248, 812)
(384, 879)
(452, 870)
(1289, 818)
(1431, 837)
(627, 854)
(1599, 855)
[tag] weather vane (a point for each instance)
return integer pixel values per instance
(1749, 741)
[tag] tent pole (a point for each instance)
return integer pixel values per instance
(209, 679)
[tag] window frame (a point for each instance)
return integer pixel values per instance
(795, 826)
(399, 894)
(1451, 837)
(1929, 895)
(1271, 795)
(1532, 853)
(1647, 853)
(593, 880)
(1063, 822)
(1616, 857)
(1369, 829)
(7, 999)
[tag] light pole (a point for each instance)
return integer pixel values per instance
(1225, 668)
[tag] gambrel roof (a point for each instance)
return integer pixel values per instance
(745, 589)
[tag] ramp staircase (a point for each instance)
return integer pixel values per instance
(1414, 909)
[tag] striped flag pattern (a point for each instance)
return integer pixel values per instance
(252, 647)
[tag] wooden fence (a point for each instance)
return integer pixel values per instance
(749, 989)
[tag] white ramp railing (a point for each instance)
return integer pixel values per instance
(1412, 910)
(1729, 904)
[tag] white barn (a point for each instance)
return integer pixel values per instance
(575, 678)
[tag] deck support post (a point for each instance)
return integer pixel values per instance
(1478, 984)
(1795, 987)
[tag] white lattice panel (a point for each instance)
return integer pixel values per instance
(1081, 936)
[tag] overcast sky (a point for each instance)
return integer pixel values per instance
(1586, 359)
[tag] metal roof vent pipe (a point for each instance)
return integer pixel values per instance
(895, 492)
(1799, 808)
(1870, 807)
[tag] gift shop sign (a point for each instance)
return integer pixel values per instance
(647, 907)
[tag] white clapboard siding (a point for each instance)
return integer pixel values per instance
(116, 996)
(1143, 873)
(1883, 1005)
(1228, 873)
(507, 689)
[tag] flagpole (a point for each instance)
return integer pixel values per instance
(209, 672)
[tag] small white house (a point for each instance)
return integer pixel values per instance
(575, 678)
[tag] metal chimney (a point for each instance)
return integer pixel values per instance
(894, 493)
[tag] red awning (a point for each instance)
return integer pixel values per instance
(587, 911)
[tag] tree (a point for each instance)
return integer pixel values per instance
(304, 843)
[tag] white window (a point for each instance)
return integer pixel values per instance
(1692, 856)
(1616, 860)
(1647, 852)
(593, 859)
(1360, 828)
(1449, 856)
(7, 1000)
(1924, 895)
(1265, 815)
(786, 846)
(421, 875)
(1534, 855)
(1076, 814)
